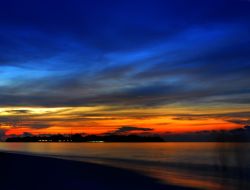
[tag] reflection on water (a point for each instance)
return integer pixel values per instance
(213, 166)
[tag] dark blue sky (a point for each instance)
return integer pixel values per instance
(124, 53)
(102, 52)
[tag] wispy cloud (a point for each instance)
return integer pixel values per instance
(126, 129)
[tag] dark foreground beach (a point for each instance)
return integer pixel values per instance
(25, 172)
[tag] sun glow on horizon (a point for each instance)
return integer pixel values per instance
(103, 119)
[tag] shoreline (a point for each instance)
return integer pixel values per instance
(19, 172)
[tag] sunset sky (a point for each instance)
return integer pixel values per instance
(101, 66)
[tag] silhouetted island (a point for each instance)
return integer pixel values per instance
(89, 138)
(235, 135)
(241, 134)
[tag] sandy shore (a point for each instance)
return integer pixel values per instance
(22, 172)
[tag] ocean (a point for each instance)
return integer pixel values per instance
(211, 166)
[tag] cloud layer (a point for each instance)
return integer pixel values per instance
(127, 129)
(124, 56)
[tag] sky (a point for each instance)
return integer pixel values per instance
(103, 66)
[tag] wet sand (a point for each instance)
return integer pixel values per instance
(25, 172)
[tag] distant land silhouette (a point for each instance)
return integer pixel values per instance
(89, 138)
(235, 135)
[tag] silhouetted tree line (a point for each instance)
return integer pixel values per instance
(89, 138)
(234, 135)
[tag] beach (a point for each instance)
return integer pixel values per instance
(19, 172)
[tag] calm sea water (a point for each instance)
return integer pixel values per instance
(212, 166)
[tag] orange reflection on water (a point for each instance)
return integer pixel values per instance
(185, 179)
